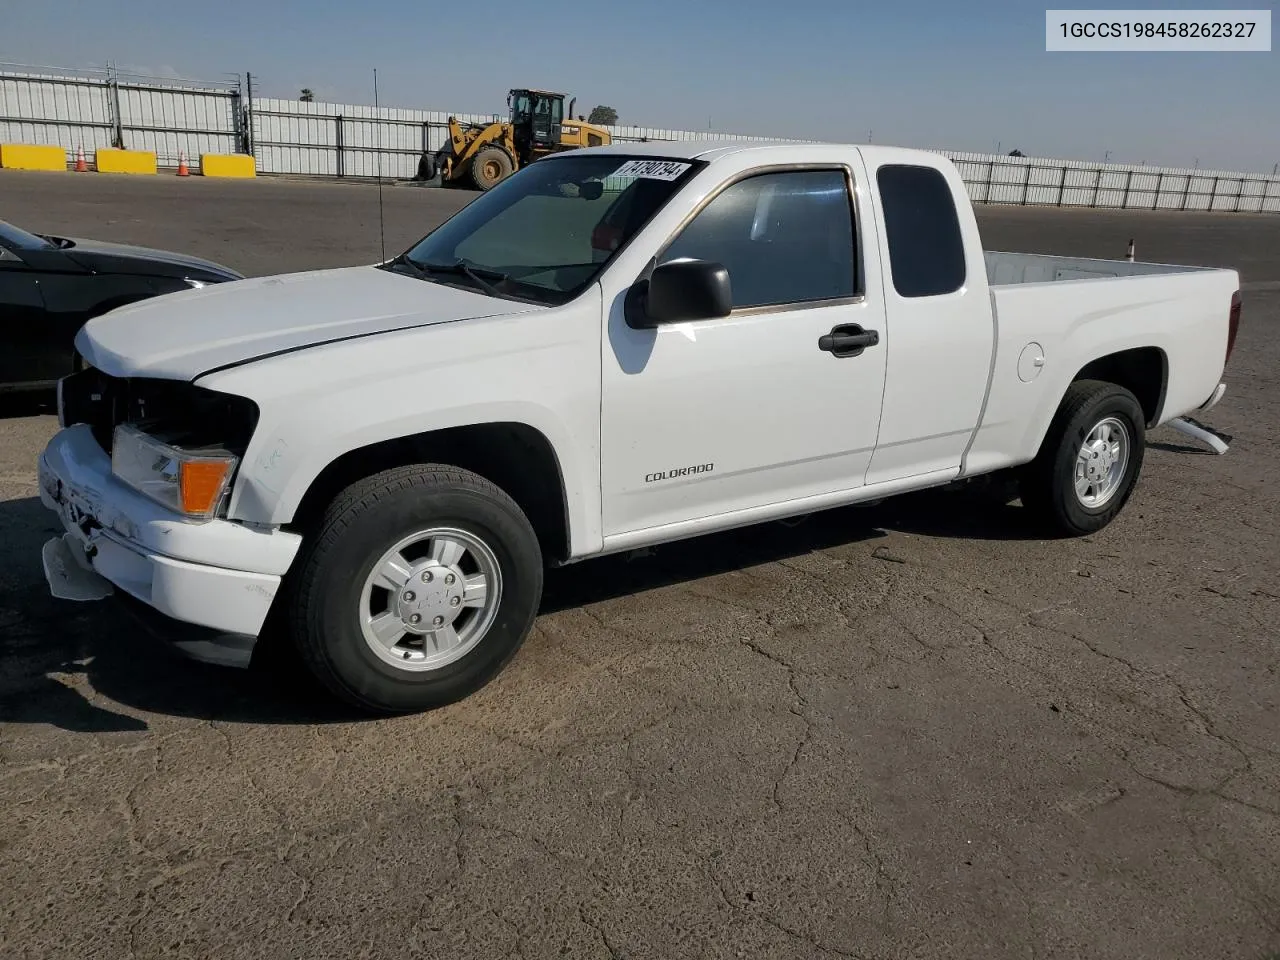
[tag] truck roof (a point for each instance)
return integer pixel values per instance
(686, 149)
(711, 150)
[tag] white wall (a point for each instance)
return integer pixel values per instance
(301, 139)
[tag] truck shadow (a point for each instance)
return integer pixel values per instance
(1184, 448)
(88, 668)
(28, 403)
(984, 514)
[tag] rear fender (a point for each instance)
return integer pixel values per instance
(1078, 368)
(1073, 324)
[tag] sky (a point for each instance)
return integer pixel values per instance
(948, 74)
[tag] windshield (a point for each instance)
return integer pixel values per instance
(520, 108)
(17, 239)
(547, 231)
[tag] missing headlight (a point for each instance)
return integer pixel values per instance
(174, 411)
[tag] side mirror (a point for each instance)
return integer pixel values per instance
(678, 291)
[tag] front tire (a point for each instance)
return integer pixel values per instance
(489, 167)
(418, 587)
(1089, 461)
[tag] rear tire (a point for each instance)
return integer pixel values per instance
(463, 558)
(490, 166)
(1089, 461)
(426, 168)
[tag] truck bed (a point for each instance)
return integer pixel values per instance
(1007, 269)
(1047, 329)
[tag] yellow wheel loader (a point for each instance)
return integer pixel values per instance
(483, 155)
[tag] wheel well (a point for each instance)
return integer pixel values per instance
(1144, 371)
(515, 456)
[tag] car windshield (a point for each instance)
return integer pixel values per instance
(546, 232)
(17, 239)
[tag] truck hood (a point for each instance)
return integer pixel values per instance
(179, 336)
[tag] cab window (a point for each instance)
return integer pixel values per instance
(785, 238)
(922, 231)
(519, 108)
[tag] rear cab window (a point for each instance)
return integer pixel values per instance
(922, 230)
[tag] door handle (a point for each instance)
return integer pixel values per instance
(848, 340)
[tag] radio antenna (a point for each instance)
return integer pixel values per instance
(382, 223)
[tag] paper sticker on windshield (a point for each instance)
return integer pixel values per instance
(652, 169)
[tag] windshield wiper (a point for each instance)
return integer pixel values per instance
(475, 274)
(404, 260)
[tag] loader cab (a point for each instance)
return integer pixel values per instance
(536, 120)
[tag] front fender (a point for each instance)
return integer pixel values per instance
(541, 370)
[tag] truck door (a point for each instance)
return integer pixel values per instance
(705, 418)
(942, 337)
(548, 113)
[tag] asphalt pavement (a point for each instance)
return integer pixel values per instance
(910, 730)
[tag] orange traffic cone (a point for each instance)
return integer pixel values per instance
(182, 164)
(81, 166)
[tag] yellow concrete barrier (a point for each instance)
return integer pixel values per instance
(25, 156)
(228, 165)
(111, 160)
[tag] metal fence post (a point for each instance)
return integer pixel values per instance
(1026, 185)
(1062, 185)
(991, 172)
(249, 145)
(1186, 192)
(1239, 194)
(1128, 181)
(237, 121)
(1159, 185)
(118, 133)
(1213, 192)
(1097, 186)
(341, 166)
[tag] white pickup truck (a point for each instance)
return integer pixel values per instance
(614, 348)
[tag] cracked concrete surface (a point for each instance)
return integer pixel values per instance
(907, 730)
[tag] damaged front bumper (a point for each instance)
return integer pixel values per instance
(216, 579)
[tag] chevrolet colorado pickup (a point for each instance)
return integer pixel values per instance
(614, 348)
